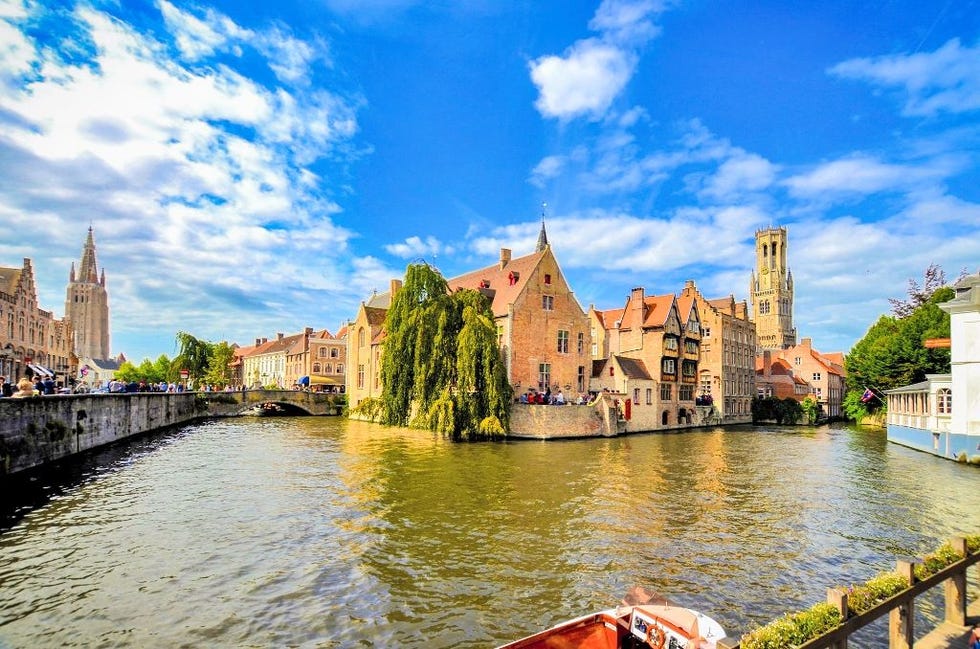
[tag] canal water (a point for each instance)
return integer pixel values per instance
(321, 532)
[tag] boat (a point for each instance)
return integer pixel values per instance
(642, 621)
(267, 409)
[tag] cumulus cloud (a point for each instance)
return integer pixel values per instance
(586, 79)
(860, 174)
(215, 175)
(946, 80)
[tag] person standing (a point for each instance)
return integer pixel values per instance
(6, 389)
(25, 388)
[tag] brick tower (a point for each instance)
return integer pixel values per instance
(771, 291)
(87, 305)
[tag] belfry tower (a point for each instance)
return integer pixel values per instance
(87, 305)
(771, 291)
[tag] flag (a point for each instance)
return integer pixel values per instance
(867, 396)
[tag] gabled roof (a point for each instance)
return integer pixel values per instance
(505, 281)
(610, 318)
(633, 367)
(685, 306)
(9, 278)
(656, 311)
(375, 315)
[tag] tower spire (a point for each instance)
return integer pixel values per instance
(543, 235)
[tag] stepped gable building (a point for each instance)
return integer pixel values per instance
(32, 341)
(821, 374)
(771, 291)
(726, 375)
(653, 346)
(87, 306)
(541, 328)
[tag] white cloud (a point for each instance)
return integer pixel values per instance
(859, 174)
(742, 173)
(947, 80)
(217, 177)
(419, 247)
(583, 82)
(627, 20)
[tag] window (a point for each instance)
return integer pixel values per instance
(360, 337)
(668, 366)
(612, 371)
(548, 302)
(547, 278)
(340, 368)
(544, 376)
(707, 332)
(665, 391)
(670, 343)
(691, 346)
(944, 401)
(316, 368)
(562, 341)
(694, 326)
(649, 396)
(816, 376)
(334, 353)
(327, 369)
(686, 393)
(797, 361)
(360, 374)
(689, 368)
(322, 352)
(581, 378)
(581, 342)
(595, 350)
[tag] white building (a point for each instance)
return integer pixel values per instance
(942, 414)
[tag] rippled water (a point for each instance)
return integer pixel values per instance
(319, 532)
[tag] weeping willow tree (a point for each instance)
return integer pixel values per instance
(441, 368)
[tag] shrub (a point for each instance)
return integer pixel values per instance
(861, 599)
(932, 563)
(793, 628)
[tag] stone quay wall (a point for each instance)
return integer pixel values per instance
(600, 419)
(38, 430)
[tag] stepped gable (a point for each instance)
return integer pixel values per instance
(501, 282)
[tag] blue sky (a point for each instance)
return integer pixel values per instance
(257, 167)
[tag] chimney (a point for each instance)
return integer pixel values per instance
(279, 335)
(504, 257)
(265, 340)
(688, 287)
(396, 284)
(767, 363)
(258, 341)
(309, 331)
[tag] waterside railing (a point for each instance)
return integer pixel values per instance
(900, 608)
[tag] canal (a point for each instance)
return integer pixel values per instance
(321, 532)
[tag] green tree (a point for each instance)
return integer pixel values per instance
(193, 355)
(811, 409)
(127, 372)
(790, 411)
(219, 373)
(441, 368)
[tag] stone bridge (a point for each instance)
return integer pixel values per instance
(294, 402)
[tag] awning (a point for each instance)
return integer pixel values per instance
(325, 380)
(38, 369)
(304, 380)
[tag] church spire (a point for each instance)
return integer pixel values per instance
(88, 272)
(542, 236)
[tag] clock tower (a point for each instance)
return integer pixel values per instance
(771, 291)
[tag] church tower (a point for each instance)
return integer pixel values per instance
(771, 291)
(87, 305)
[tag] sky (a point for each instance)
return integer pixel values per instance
(252, 167)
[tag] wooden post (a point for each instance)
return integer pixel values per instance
(954, 589)
(838, 599)
(900, 619)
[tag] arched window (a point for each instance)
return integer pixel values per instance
(360, 337)
(334, 353)
(340, 368)
(944, 401)
(316, 368)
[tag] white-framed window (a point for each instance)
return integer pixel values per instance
(944, 401)
(548, 302)
(669, 366)
(562, 341)
(544, 376)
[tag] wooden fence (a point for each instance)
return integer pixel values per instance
(900, 608)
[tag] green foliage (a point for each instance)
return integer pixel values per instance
(193, 355)
(782, 411)
(892, 354)
(876, 590)
(811, 409)
(219, 373)
(369, 408)
(148, 371)
(973, 543)
(935, 561)
(441, 367)
(793, 628)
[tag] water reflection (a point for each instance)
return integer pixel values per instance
(321, 532)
